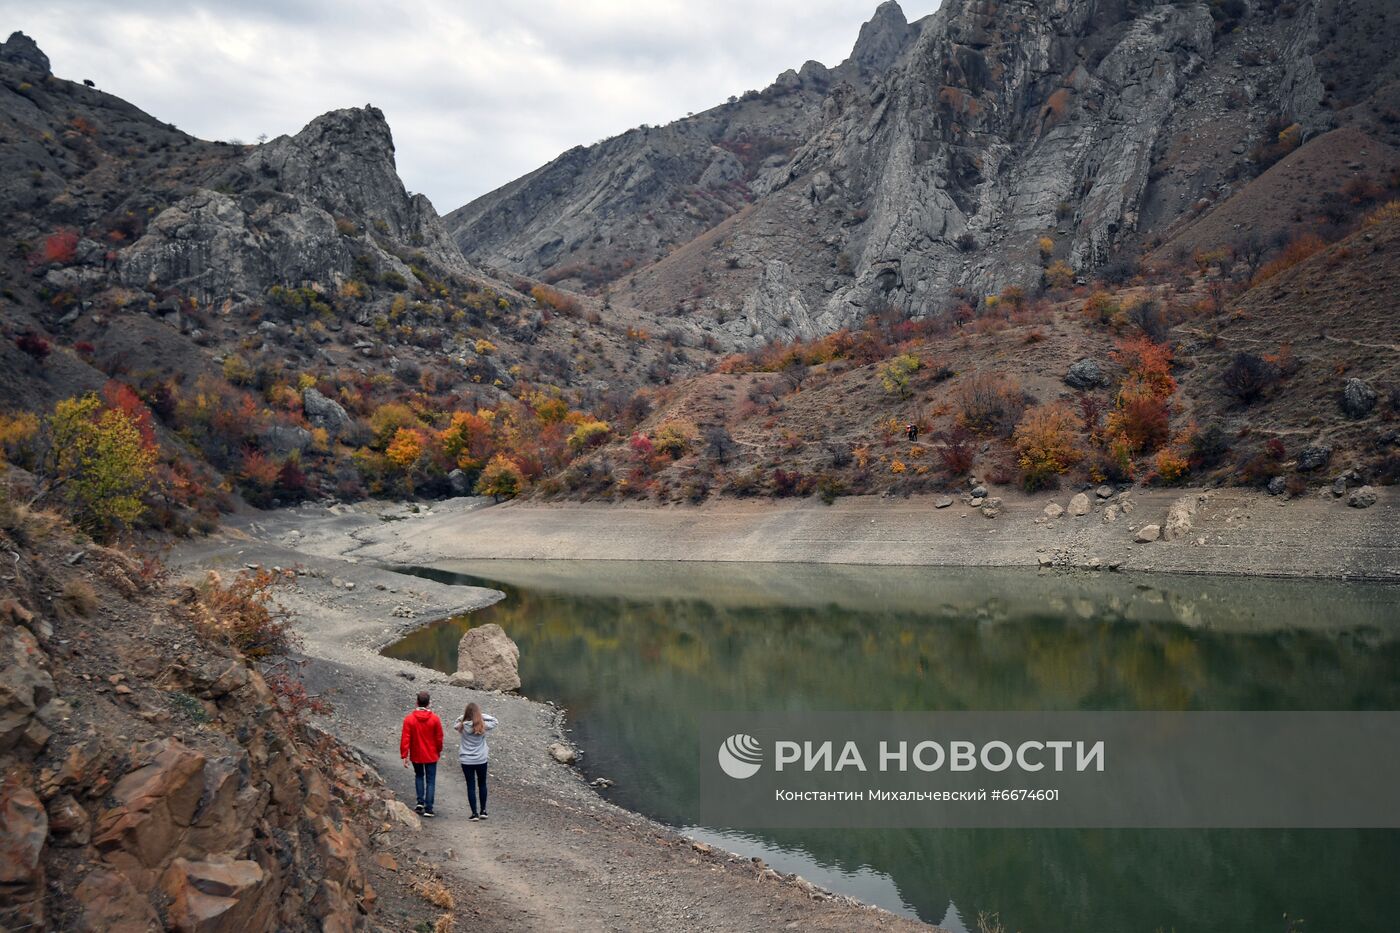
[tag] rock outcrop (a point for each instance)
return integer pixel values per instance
(488, 658)
(308, 209)
(153, 779)
(931, 167)
(597, 212)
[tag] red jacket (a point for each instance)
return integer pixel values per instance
(421, 741)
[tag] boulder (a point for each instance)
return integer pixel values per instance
(25, 685)
(563, 753)
(325, 413)
(979, 492)
(1358, 398)
(943, 502)
(1111, 514)
(1147, 534)
(460, 483)
(215, 896)
(155, 805)
(1054, 510)
(1085, 374)
(1362, 498)
(24, 53)
(24, 827)
(111, 904)
(462, 679)
(285, 439)
(1179, 517)
(1104, 492)
(401, 814)
(68, 821)
(1079, 505)
(1277, 486)
(1314, 457)
(492, 658)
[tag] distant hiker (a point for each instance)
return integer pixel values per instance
(911, 431)
(421, 744)
(473, 754)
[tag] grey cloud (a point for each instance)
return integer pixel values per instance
(477, 92)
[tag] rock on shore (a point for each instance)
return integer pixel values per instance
(488, 657)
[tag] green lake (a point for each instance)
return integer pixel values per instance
(639, 652)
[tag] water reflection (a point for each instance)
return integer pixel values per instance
(638, 652)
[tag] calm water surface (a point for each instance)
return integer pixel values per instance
(639, 652)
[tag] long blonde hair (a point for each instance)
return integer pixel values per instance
(472, 714)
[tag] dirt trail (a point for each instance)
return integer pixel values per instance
(555, 855)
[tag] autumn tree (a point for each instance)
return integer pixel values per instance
(501, 479)
(1045, 446)
(99, 466)
(895, 374)
(407, 447)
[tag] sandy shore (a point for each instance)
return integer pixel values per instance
(1233, 531)
(556, 855)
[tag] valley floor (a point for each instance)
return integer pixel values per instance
(556, 854)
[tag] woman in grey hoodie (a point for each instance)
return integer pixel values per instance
(473, 754)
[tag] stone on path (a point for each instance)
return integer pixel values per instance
(1147, 534)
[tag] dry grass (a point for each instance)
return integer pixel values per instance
(436, 893)
(78, 598)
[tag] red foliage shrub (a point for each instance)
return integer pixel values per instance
(1143, 421)
(122, 397)
(35, 345)
(61, 246)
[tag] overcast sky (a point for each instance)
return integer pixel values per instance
(478, 92)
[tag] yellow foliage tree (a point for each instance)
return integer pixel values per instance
(674, 438)
(100, 466)
(895, 374)
(501, 479)
(1059, 274)
(1045, 445)
(588, 433)
(406, 448)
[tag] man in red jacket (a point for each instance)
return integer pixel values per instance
(421, 744)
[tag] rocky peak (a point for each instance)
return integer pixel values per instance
(881, 39)
(24, 52)
(342, 160)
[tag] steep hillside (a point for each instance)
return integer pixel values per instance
(1286, 377)
(152, 777)
(1008, 144)
(262, 304)
(598, 212)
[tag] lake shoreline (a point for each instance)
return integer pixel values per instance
(1228, 531)
(557, 854)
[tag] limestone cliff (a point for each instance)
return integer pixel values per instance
(597, 212)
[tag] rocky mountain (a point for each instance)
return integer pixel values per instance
(294, 286)
(598, 212)
(995, 141)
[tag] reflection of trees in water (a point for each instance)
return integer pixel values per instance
(635, 674)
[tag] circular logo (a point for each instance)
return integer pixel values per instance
(741, 756)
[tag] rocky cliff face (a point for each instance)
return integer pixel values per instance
(151, 778)
(303, 208)
(598, 212)
(946, 155)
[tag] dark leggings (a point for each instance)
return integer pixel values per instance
(476, 778)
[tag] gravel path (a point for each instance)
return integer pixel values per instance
(555, 855)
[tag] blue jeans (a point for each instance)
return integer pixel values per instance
(476, 778)
(424, 783)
